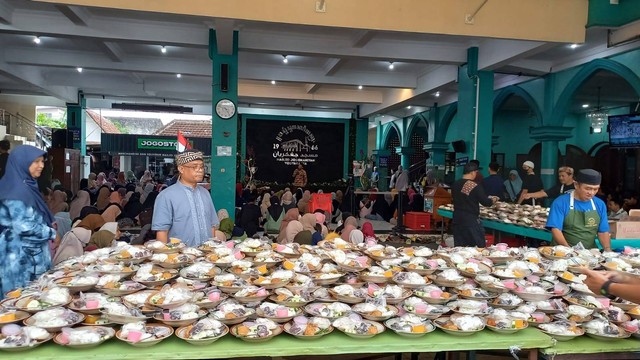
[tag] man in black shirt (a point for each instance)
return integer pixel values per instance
(467, 195)
(565, 176)
(494, 184)
(530, 183)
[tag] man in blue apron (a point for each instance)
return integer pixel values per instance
(578, 217)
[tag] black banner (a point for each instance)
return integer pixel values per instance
(279, 146)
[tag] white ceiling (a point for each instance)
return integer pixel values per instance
(119, 52)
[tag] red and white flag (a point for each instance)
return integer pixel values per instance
(183, 143)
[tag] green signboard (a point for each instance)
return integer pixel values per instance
(157, 144)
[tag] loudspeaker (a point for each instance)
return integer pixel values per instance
(61, 138)
(224, 77)
(459, 146)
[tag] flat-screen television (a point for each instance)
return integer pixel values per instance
(624, 130)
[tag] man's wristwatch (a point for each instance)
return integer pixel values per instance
(604, 290)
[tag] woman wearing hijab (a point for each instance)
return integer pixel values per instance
(303, 204)
(58, 202)
(91, 183)
(115, 198)
(321, 218)
(121, 179)
(356, 237)
(86, 211)
(131, 177)
(146, 177)
(275, 215)
(103, 197)
(104, 238)
(264, 205)
(111, 213)
(148, 189)
(513, 185)
(133, 206)
(336, 203)
(291, 215)
(287, 201)
(350, 224)
(26, 224)
(294, 228)
(82, 199)
(92, 222)
(249, 217)
(309, 225)
(101, 180)
(63, 223)
(72, 244)
(367, 231)
(298, 195)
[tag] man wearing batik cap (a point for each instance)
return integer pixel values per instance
(185, 210)
(578, 217)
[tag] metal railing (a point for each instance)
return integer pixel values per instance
(42, 134)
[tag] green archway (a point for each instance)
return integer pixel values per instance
(562, 105)
(504, 95)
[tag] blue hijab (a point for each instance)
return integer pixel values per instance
(18, 184)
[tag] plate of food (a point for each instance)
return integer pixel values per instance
(174, 246)
(151, 275)
(231, 313)
(326, 278)
(375, 312)
(473, 268)
(12, 316)
(587, 301)
(349, 294)
(376, 274)
(330, 311)
(449, 278)
(114, 285)
(132, 255)
(423, 266)
(602, 329)
(433, 294)
(208, 298)
(409, 325)
(122, 269)
(506, 325)
(289, 298)
(84, 337)
(180, 316)
(561, 330)
(461, 325)
(308, 328)
(120, 314)
(47, 299)
(354, 326)
(203, 332)
(230, 283)
(506, 301)
(470, 307)
(140, 335)
(202, 271)
(251, 294)
(169, 297)
(277, 313)
(53, 320)
(16, 338)
(556, 252)
(173, 260)
(277, 279)
(411, 280)
(533, 293)
(470, 291)
(418, 307)
(537, 318)
(89, 303)
(259, 330)
(77, 283)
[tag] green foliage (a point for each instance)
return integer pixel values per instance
(123, 129)
(44, 120)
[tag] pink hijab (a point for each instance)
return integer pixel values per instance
(367, 230)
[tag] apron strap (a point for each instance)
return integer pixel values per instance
(593, 205)
(562, 189)
(571, 200)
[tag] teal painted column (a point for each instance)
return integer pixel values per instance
(549, 136)
(383, 171)
(475, 103)
(76, 124)
(362, 137)
(224, 130)
(405, 152)
(436, 160)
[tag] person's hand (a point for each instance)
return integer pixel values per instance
(617, 276)
(595, 279)
(526, 196)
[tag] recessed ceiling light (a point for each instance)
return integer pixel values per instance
(163, 50)
(359, 87)
(437, 94)
(409, 107)
(79, 69)
(584, 106)
(391, 66)
(597, 130)
(573, 46)
(273, 82)
(36, 39)
(284, 59)
(178, 76)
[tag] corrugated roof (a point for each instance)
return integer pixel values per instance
(189, 128)
(105, 124)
